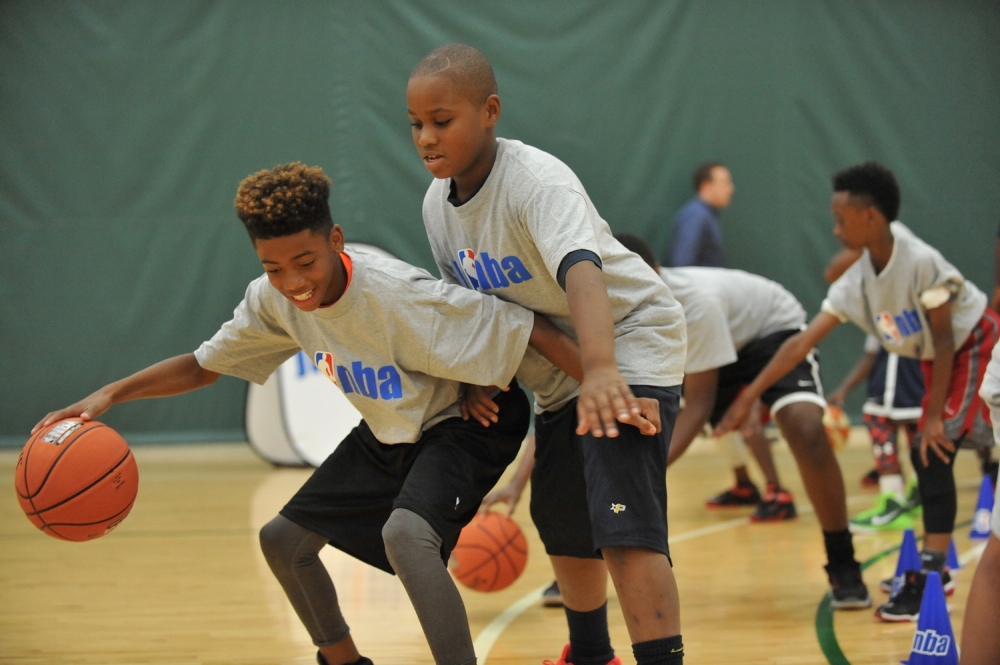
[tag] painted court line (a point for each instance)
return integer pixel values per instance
(488, 636)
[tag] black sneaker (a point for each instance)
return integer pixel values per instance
(736, 496)
(552, 597)
(777, 505)
(905, 605)
(362, 661)
(847, 588)
(946, 582)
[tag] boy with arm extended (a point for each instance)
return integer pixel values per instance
(905, 293)
(511, 220)
(736, 322)
(400, 487)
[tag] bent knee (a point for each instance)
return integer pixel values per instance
(282, 540)
(405, 530)
(271, 538)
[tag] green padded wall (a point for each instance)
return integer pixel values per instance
(125, 127)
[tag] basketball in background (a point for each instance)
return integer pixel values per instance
(490, 554)
(838, 427)
(76, 480)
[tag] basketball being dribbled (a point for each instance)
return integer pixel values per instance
(838, 427)
(490, 554)
(76, 480)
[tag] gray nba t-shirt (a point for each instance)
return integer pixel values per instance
(726, 310)
(893, 304)
(398, 343)
(510, 239)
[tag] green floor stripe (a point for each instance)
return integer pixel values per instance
(825, 634)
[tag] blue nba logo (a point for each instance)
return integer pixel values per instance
(929, 642)
(481, 272)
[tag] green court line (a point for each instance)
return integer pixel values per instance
(825, 634)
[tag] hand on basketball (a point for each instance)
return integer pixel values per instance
(510, 495)
(605, 398)
(934, 439)
(88, 408)
(479, 405)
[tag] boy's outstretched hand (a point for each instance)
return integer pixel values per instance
(605, 399)
(88, 408)
(736, 415)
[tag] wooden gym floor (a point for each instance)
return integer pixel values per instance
(182, 581)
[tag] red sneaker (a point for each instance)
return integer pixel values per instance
(778, 505)
(565, 652)
(735, 497)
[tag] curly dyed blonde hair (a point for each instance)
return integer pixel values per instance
(284, 200)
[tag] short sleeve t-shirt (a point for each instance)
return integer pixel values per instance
(510, 238)
(892, 305)
(726, 310)
(398, 343)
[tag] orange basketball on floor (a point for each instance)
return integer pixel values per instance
(490, 554)
(838, 427)
(76, 480)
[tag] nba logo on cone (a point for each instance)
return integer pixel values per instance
(984, 506)
(934, 642)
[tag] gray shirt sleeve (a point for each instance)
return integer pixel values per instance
(251, 345)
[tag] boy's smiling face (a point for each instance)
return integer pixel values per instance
(305, 267)
(453, 135)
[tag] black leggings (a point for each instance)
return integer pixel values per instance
(937, 489)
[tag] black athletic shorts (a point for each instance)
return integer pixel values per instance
(802, 384)
(443, 477)
(588, 493)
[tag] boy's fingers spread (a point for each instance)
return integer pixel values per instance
(609, 420)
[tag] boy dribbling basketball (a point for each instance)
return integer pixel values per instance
(399, 488)
(511, 220)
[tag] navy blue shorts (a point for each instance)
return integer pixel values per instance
(443, 477)
(588, 493)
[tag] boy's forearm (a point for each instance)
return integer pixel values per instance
(791, 353)
(172, 376)
(556, 346)
(940, 378)
(590, 309)
(700, 390)
(523, 472)
(944, 358)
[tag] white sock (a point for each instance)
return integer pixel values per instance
(892, 482)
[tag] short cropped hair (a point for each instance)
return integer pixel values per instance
(874, 184)
(465, 65)
(703, 174)
(634, 243)
(284, 201)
